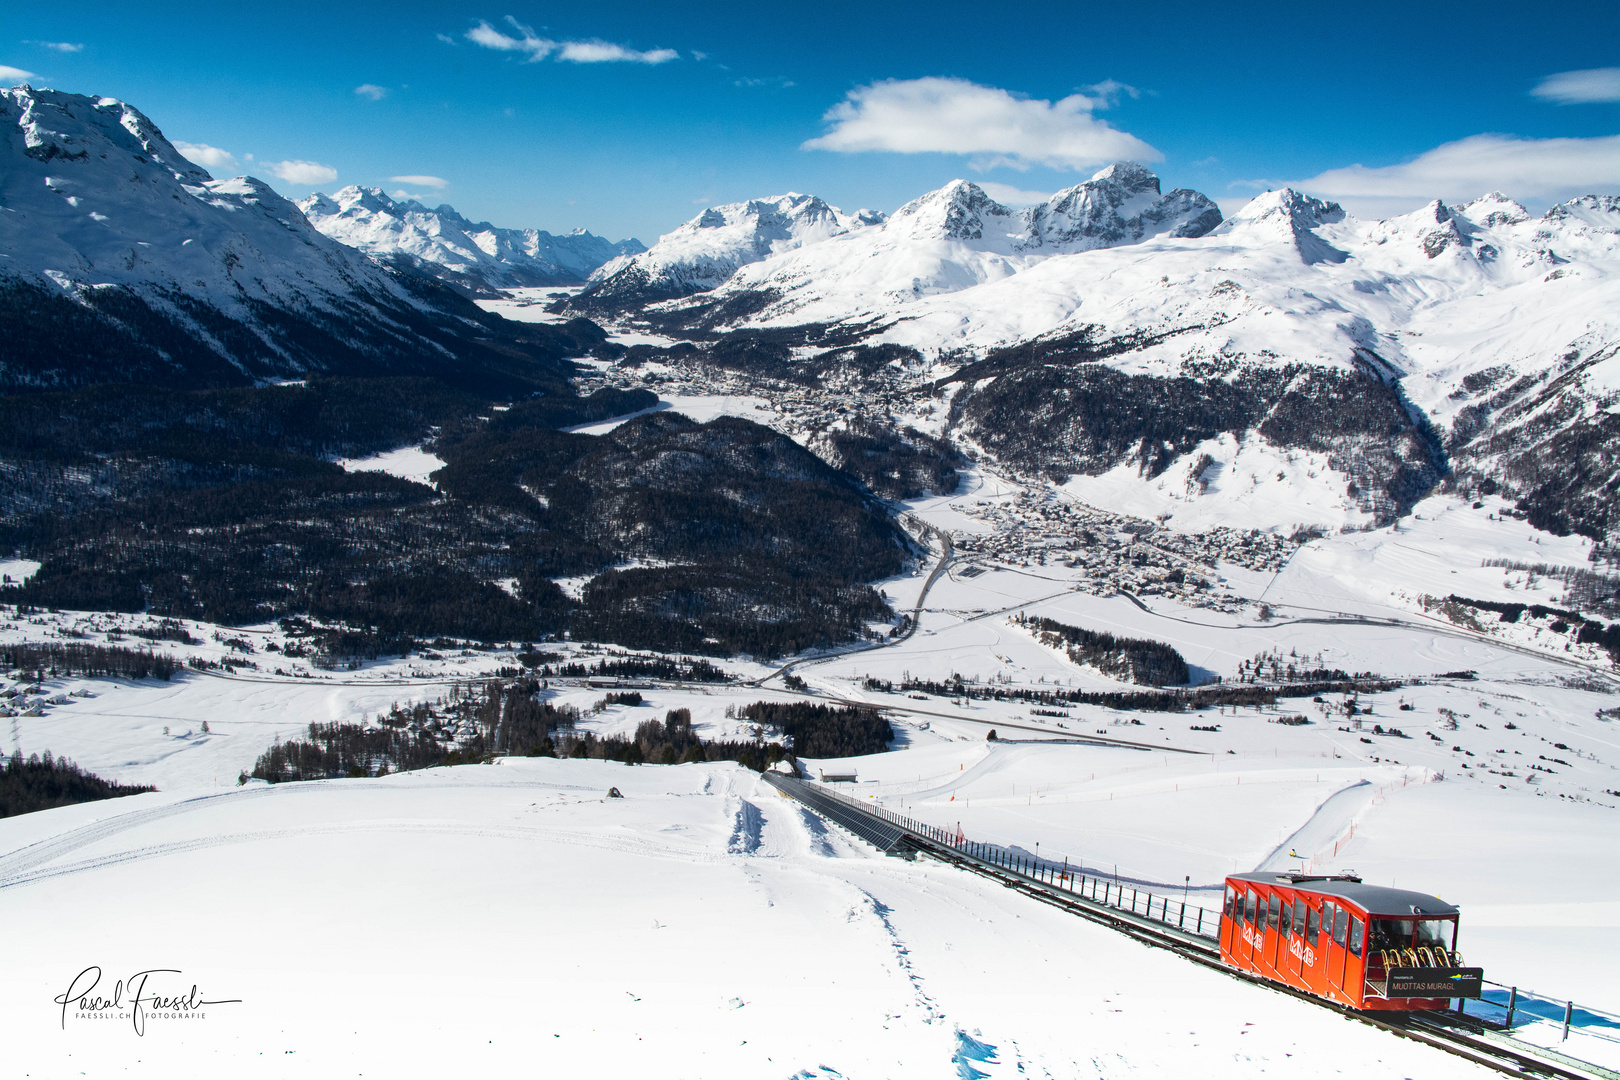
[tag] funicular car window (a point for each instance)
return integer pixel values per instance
(1391, 933)
(1341, 925)
(1249, 909)
(1433, 932)
(1313, 925)
(1231, 894)
(1299, 916)
(1287, 918)
(1355, 937)
(1276, 906)
(1328, 908)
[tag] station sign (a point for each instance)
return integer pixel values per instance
(1435, 982)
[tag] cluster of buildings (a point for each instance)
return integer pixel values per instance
(1114, 552)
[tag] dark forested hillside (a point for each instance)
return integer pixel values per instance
(1137, 660)
(1048, 409)
(223, 505)
(896, 463)
(117, 335)
(823, 731)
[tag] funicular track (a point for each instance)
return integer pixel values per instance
(1103, 901)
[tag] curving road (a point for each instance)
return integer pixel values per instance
(947, 552)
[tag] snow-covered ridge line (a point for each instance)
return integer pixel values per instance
(705, 251)
(444, 243)
(1121, 204)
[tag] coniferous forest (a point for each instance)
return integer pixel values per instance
(478, 722)
(40, 782)
(227, 505)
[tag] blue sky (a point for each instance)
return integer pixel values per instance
(627, 118)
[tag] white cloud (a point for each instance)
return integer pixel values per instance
(1529, 169)
(579, 52)
(10, 76)
(61, 46)
(209, 157)
(1580, 87)
(954, 116)
(434, 182)
(486, 35)
(446, 38)
(372, 91)
(1008, 195)
(1110, 90)
(597, 52)
(302, 172)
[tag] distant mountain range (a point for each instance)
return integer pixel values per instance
(1113, 333)
(446, 245)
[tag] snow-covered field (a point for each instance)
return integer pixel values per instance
(509, 918)
(407, 462)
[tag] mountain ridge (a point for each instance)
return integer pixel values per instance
(953, 238)
(124, 262)
(702, 253)
(441, 242)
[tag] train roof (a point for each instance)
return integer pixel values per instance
(1373, 899)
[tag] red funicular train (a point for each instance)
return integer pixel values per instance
(1359, 945)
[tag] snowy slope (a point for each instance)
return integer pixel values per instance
(123, 260)
(707, 250)
(447, 245)
(698, 926)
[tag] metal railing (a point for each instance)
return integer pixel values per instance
(890, 832)
(1505, 1008)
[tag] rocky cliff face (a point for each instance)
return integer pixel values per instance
(1120, 205)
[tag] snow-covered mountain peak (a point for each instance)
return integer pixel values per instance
(779, 222)
(1494, 209)
(355, 201)
(958, 211)
(442, 242)
(1295, 206)
(1601, 212)
(954, 238)
(121, 261)
(1120, 204)
(1290, 216)
(53, 125)
(703, 252)
(1128, 175)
